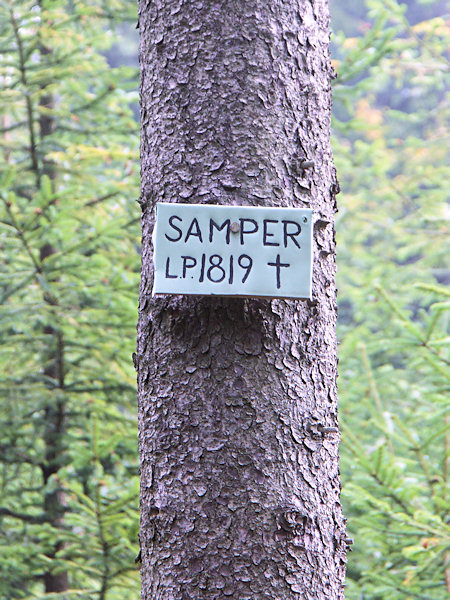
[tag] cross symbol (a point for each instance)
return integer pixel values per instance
(278, 264)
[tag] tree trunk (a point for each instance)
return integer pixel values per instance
(237, 397)
(54, 501)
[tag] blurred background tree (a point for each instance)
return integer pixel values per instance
(391, 151)
(68, 284)
(69, 238)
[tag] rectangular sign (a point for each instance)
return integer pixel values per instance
(206, 249)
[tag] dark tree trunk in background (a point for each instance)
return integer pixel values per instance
(55, 429)
(54, 426)
(237, 397)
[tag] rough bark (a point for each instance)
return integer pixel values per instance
(237, 397)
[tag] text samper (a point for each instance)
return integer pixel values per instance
(285, 231)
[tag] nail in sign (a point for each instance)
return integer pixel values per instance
(205, 249)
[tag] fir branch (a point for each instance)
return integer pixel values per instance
(35, 519)
(30, 116)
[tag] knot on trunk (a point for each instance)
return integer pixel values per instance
(290, 521)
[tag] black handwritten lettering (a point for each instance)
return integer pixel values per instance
(202, 268)
(292, 234)
(248, 231)
(168, 275)
(187, 266)
(213, 224)
(191, 232)
(267, 234)
(215, 260)
(247, 268)
(172, 218)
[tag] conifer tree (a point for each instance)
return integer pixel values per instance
(68, 236)
(391, 111)
(238, 409)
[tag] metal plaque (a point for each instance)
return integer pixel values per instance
(205, 249)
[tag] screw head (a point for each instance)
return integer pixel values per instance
(235, 227)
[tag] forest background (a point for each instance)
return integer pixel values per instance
(69, 239)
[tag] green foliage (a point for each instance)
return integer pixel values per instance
(390, 117)
(69, 237)
(68, 284)
(395, 429)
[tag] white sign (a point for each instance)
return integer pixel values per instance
(206, 249)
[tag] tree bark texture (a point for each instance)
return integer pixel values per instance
(237, 397)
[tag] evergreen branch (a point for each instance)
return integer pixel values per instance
(415, 447)
(12, 127)
(410, 326)
(30, 117)
(95, 201)
(36, 519)
(359, 452)
(374, 392)
(22, 237)
(436, 289)
(37, 266)
(12, 290)
(94, 101)
(98, 513)
(21, 456)
(111, 388)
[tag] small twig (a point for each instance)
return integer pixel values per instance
(29, 106)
